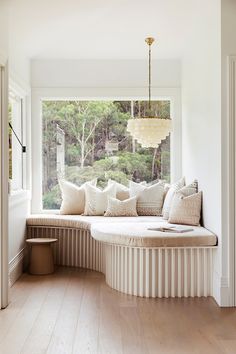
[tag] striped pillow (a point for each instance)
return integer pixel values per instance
(118, 207)
(149, 199)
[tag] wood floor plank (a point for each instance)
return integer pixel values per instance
(62, 337)
(39, 337)
(19, 331)
(87, 331)
(74, 311)
(110, 332)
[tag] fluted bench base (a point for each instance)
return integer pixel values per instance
(141, 271)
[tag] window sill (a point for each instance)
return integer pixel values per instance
(18, 197)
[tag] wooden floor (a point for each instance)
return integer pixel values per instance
(74, 311)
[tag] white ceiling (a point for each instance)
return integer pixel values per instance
(103, 29)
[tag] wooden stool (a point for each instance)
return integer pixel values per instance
(41, 257)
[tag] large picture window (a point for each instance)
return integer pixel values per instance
(87, 139)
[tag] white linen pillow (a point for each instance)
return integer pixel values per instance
(122, 192)
(73, 197)
(116, 207)
(186, 210)
(96, 199)
(169, 196)
(149, 199)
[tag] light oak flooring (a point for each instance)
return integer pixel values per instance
(74, 311)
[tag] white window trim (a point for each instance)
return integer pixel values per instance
(38, 95)
(17, 90)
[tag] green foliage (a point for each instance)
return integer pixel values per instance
(88, 125)
(52, 199)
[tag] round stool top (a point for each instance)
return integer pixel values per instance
(41, 240)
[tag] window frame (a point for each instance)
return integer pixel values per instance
(86, 94)
(18, 92)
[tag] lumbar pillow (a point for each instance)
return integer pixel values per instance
(73, 197)
(186, 210)
(117, 207)
(169, 196)
(149, 199)
(96, 199)
(122, 192)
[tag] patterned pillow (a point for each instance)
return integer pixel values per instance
(117, 207)
(149, 199)
(96, 199)
(189, 189)
(122, 192)
(73, 197)
(169, 196)
(186, 210)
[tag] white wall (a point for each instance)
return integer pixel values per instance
(104, 73)
(19, 202)
(3, 31)
(228, 48)
(201, 120)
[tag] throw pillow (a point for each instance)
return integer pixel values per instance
(117, 207)
(169, 196)
(73, 197)
(96, 199)
(149, 199)
(122, 192)
(186, 210)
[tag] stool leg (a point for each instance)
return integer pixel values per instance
(41, 259)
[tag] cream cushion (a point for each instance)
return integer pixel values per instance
(73, 197)
(149, 198)
(169, 196)
(137, 235)
(96, 199)
(126, 231)
(186, 210)
(122, 192)
(82, 221)
(118, 207)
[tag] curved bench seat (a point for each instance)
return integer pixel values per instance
(134, 260)
(136, 235)
(83, 222)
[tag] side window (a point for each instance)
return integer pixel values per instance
(15, 149)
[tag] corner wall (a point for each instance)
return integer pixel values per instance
(201, 121)
(228, 49)
(19, 202)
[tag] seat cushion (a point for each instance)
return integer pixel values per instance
(138, 235)
(83, 222)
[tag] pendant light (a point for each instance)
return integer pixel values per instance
(149, 131)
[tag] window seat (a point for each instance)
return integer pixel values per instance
(134, 260)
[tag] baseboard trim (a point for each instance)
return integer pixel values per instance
(16, 267)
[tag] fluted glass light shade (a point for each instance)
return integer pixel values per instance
(149, 131)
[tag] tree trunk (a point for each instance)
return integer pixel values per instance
(153, 162)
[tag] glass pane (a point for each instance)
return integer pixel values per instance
(87, 139)
(15, 149)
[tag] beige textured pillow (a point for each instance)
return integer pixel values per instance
(117, 207)
(186, 210)
(122, 192)
(189, 189)
(73, 197)
(96, 199)
(169, 196)
(149, 199)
